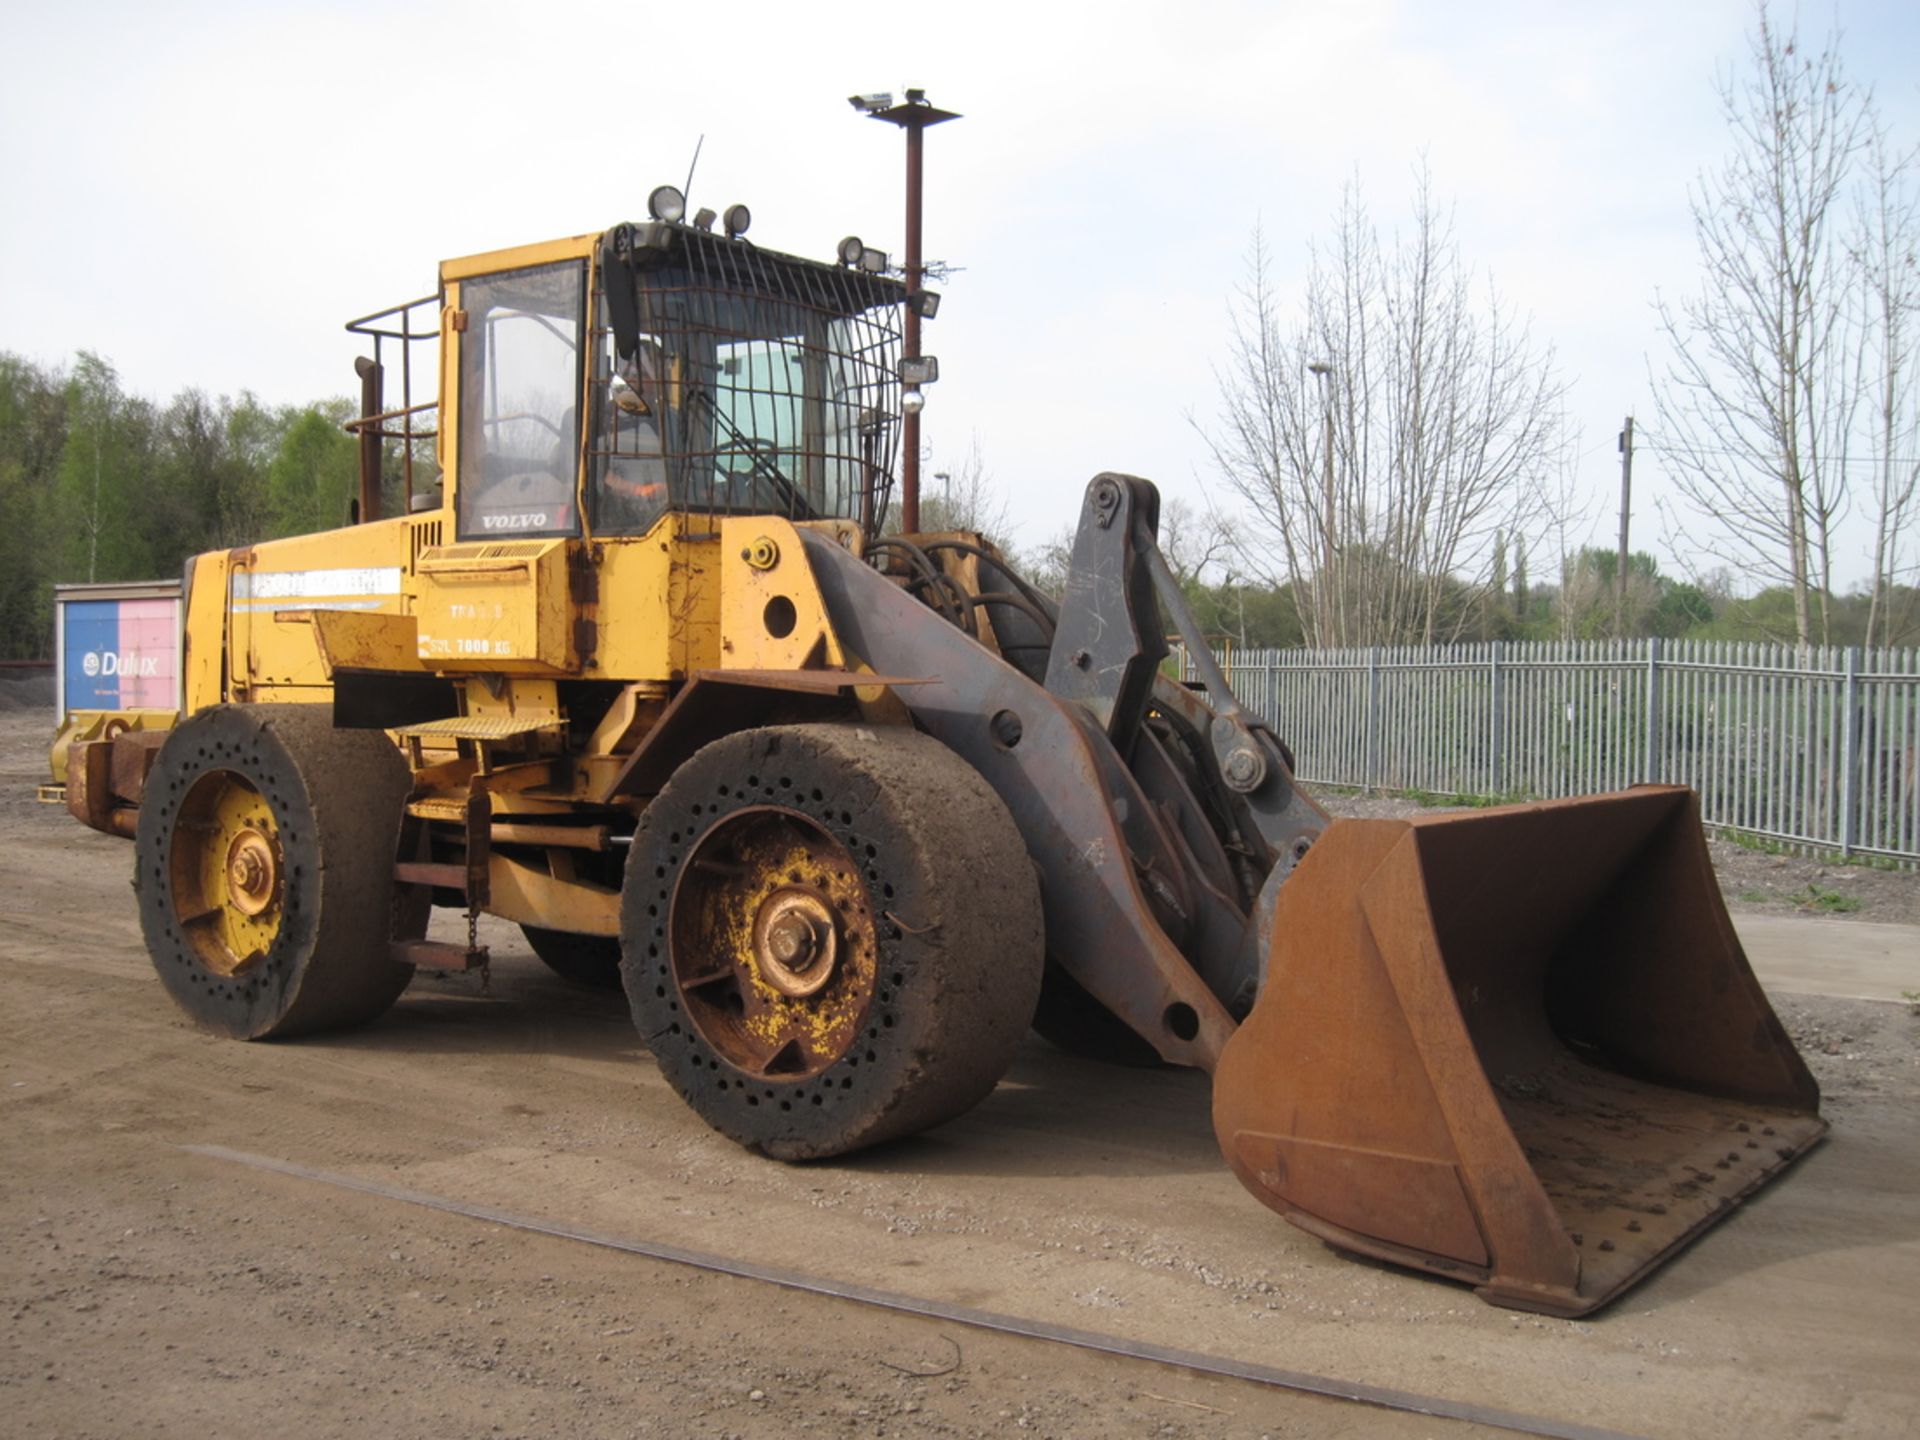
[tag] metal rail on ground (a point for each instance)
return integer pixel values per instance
(1300, 1382)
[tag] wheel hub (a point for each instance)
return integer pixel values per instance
(794, 942)
(253, 872)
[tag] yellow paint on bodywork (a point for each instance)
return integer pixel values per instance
(271, 588)
(658, 612)
(205, 621)
(495, 605)
(520, 257)
(364, 640)
(772, 616)
(528, 895)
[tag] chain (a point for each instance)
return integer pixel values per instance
(473, 944)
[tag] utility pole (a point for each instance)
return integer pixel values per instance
(1626, 510)
(912, 115)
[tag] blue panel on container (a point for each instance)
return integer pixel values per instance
(92, 634)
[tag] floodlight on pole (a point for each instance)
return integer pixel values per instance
(912, 115)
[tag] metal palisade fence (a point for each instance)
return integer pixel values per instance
(1817, 747)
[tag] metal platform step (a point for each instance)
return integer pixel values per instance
(437, 955)
(482, 727)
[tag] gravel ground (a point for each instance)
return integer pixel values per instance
(148, 1289)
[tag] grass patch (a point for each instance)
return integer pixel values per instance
(1428, 799)
(1758, 844)
(1754, 897)
(1874, 862)
(1825, 902)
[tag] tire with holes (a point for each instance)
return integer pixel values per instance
(832, 935)
(589, 960)
(265, 854)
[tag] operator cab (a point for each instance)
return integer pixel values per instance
(664, 367)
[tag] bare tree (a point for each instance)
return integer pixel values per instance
(1757, 405)
(961, 497)
(1045, 565)
(1193, 541)
(1886, 253)
(1384, 444)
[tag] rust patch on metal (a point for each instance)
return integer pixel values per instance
(583, 597)
(774, 944)
(133, 752)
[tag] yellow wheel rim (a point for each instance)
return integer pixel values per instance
(229, 879)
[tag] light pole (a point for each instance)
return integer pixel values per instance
(912, 115)
(1324, 372)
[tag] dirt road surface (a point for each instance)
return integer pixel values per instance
(152, 1291)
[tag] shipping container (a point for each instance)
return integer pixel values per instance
(117, 646)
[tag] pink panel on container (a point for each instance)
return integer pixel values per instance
(148, 637)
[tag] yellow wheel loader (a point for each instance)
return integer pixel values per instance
(847, 813)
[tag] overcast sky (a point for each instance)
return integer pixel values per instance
(204, 192)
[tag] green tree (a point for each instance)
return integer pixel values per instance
(214, 468)
(1681, 608)
(1588, 602)
(102, 494)
(32, 432)
(313, 477)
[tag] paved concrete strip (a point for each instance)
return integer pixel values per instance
(1849, 959)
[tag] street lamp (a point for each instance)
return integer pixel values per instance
(1239, 584)
(912, 115)
(1324, 373)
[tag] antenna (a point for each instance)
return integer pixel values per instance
(692, 165)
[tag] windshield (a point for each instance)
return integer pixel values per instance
(752, 384)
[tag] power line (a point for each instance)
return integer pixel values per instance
(1642, 445)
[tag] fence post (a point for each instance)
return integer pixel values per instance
(1849, 749)
(1372, 731)
(1496, 715)
(1650, 763)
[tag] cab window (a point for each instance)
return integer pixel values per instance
(747, 385)
(519, 390)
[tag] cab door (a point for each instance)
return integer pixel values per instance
(521, 369)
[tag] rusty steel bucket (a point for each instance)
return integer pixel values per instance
(1520, 1047)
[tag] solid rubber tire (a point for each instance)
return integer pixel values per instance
(959, 933)
(589, 960)
(337, 798)
(1070, 1019)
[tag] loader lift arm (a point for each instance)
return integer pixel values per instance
(1120, 879)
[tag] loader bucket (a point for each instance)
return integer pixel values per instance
(1520, 1047)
